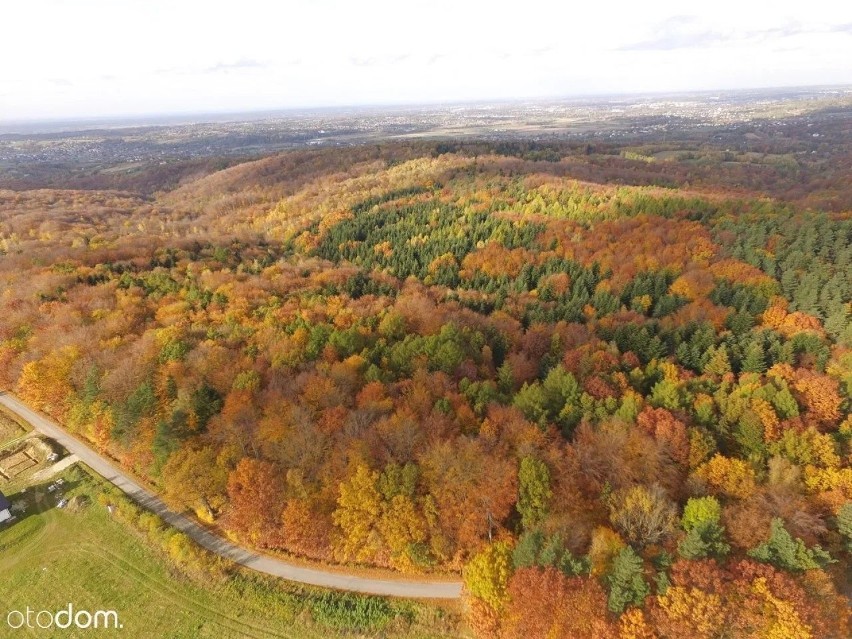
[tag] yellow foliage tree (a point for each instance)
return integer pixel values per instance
(820, 394)
(487, 574)
(728, 476)
(45, 383)
(767, 416)
(691, 608)
(604, 547)
(359, 507)
(401, 526)
(825, 479)
(775, 313)
(643, 515)
(782, 620)
(100, 425)
(633, 625)
(807, 448)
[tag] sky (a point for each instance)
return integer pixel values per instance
(98, 58)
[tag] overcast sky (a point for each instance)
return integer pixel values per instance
(85, 58)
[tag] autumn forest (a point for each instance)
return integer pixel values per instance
(608, 386)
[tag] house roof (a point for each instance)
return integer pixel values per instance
(4, 503)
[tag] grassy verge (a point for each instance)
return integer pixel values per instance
(163, 585)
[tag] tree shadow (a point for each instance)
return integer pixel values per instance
(37, 499)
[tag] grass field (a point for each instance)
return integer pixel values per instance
(51, 557)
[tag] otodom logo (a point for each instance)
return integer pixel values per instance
(63, 619)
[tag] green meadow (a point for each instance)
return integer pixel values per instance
(97, 560)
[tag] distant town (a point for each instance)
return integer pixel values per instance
(28, 148)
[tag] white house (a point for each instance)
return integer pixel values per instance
(4, 508)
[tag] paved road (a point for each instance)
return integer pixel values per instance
(218, 545)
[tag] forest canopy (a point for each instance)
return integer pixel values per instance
(581, 389)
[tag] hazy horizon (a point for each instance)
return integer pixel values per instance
(100, 59)
(39, 125)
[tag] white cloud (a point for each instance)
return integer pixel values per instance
(95, 57)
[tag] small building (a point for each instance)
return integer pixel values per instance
(5, 513)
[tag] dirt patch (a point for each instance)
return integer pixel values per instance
(15, 464)
(23, 459)
(77, 503)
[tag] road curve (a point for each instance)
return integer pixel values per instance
(261, 563)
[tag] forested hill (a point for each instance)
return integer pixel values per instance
(611, 385)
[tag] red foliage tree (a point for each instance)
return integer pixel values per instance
(256, 492)
(544, 603)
